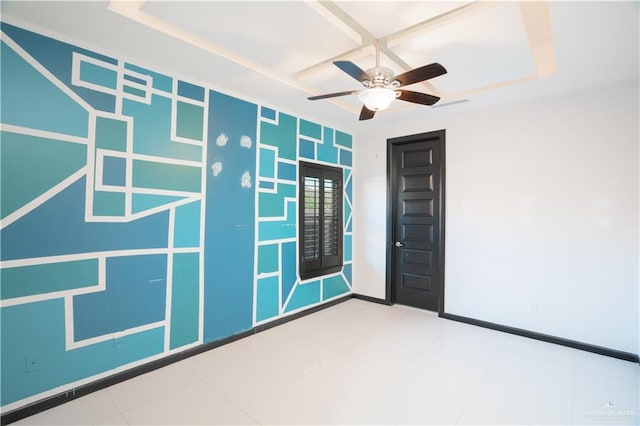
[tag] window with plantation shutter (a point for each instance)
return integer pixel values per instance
(320, 220)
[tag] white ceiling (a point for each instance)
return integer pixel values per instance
(280, 52)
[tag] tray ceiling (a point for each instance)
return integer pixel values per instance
(295, 42)
(280, 52)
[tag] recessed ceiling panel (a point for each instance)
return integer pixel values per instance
(485, 48)
(284, 37)
(385, 18)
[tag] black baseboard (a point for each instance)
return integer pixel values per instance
(626, 356)
(61, 398)
(371, 299)
(71, 394)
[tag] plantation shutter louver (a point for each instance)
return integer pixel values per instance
(321, 220)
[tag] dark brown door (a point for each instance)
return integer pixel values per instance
(416, 176)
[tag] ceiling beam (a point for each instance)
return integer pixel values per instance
(537, 24)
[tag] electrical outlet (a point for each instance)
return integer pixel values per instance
(33, 363)
(533, 308)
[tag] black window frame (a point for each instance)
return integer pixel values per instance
(322, 263)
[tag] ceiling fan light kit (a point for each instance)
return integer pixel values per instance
(377, 98)
(382, 87)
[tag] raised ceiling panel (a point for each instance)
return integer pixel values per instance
(280, 36)
(476, 52)
(382, 19)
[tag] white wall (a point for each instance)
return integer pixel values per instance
(541, 208)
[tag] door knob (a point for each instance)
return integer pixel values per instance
(399, 244)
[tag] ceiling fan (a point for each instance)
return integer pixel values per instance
(382, 87)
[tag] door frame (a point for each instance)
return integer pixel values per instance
(440, 137)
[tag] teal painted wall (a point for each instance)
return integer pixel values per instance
(141, 215)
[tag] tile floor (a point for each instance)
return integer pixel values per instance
(363, 363)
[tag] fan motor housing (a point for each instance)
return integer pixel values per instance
(381, 77)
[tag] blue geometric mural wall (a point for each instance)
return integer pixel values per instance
(283, 140)
(141, 215)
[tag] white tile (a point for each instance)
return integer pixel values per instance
(365, 363)
(606, 390)
(524, 402)
(246, 382)
(401, 402)
(544, 352)
(87, 410)
(347, 378)
(194, 404)
(455, 362)
(145, 387)
(530, 369)
(302, 404)
(219, 358)
(477, 415)
(461, 344)
(530, 382)
(117, 420)
(456, 378)
(593, 370)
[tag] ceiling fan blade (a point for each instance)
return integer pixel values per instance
(366, 114)
(353, 70)
(420, 74)
(333, 95)
(417, 97)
